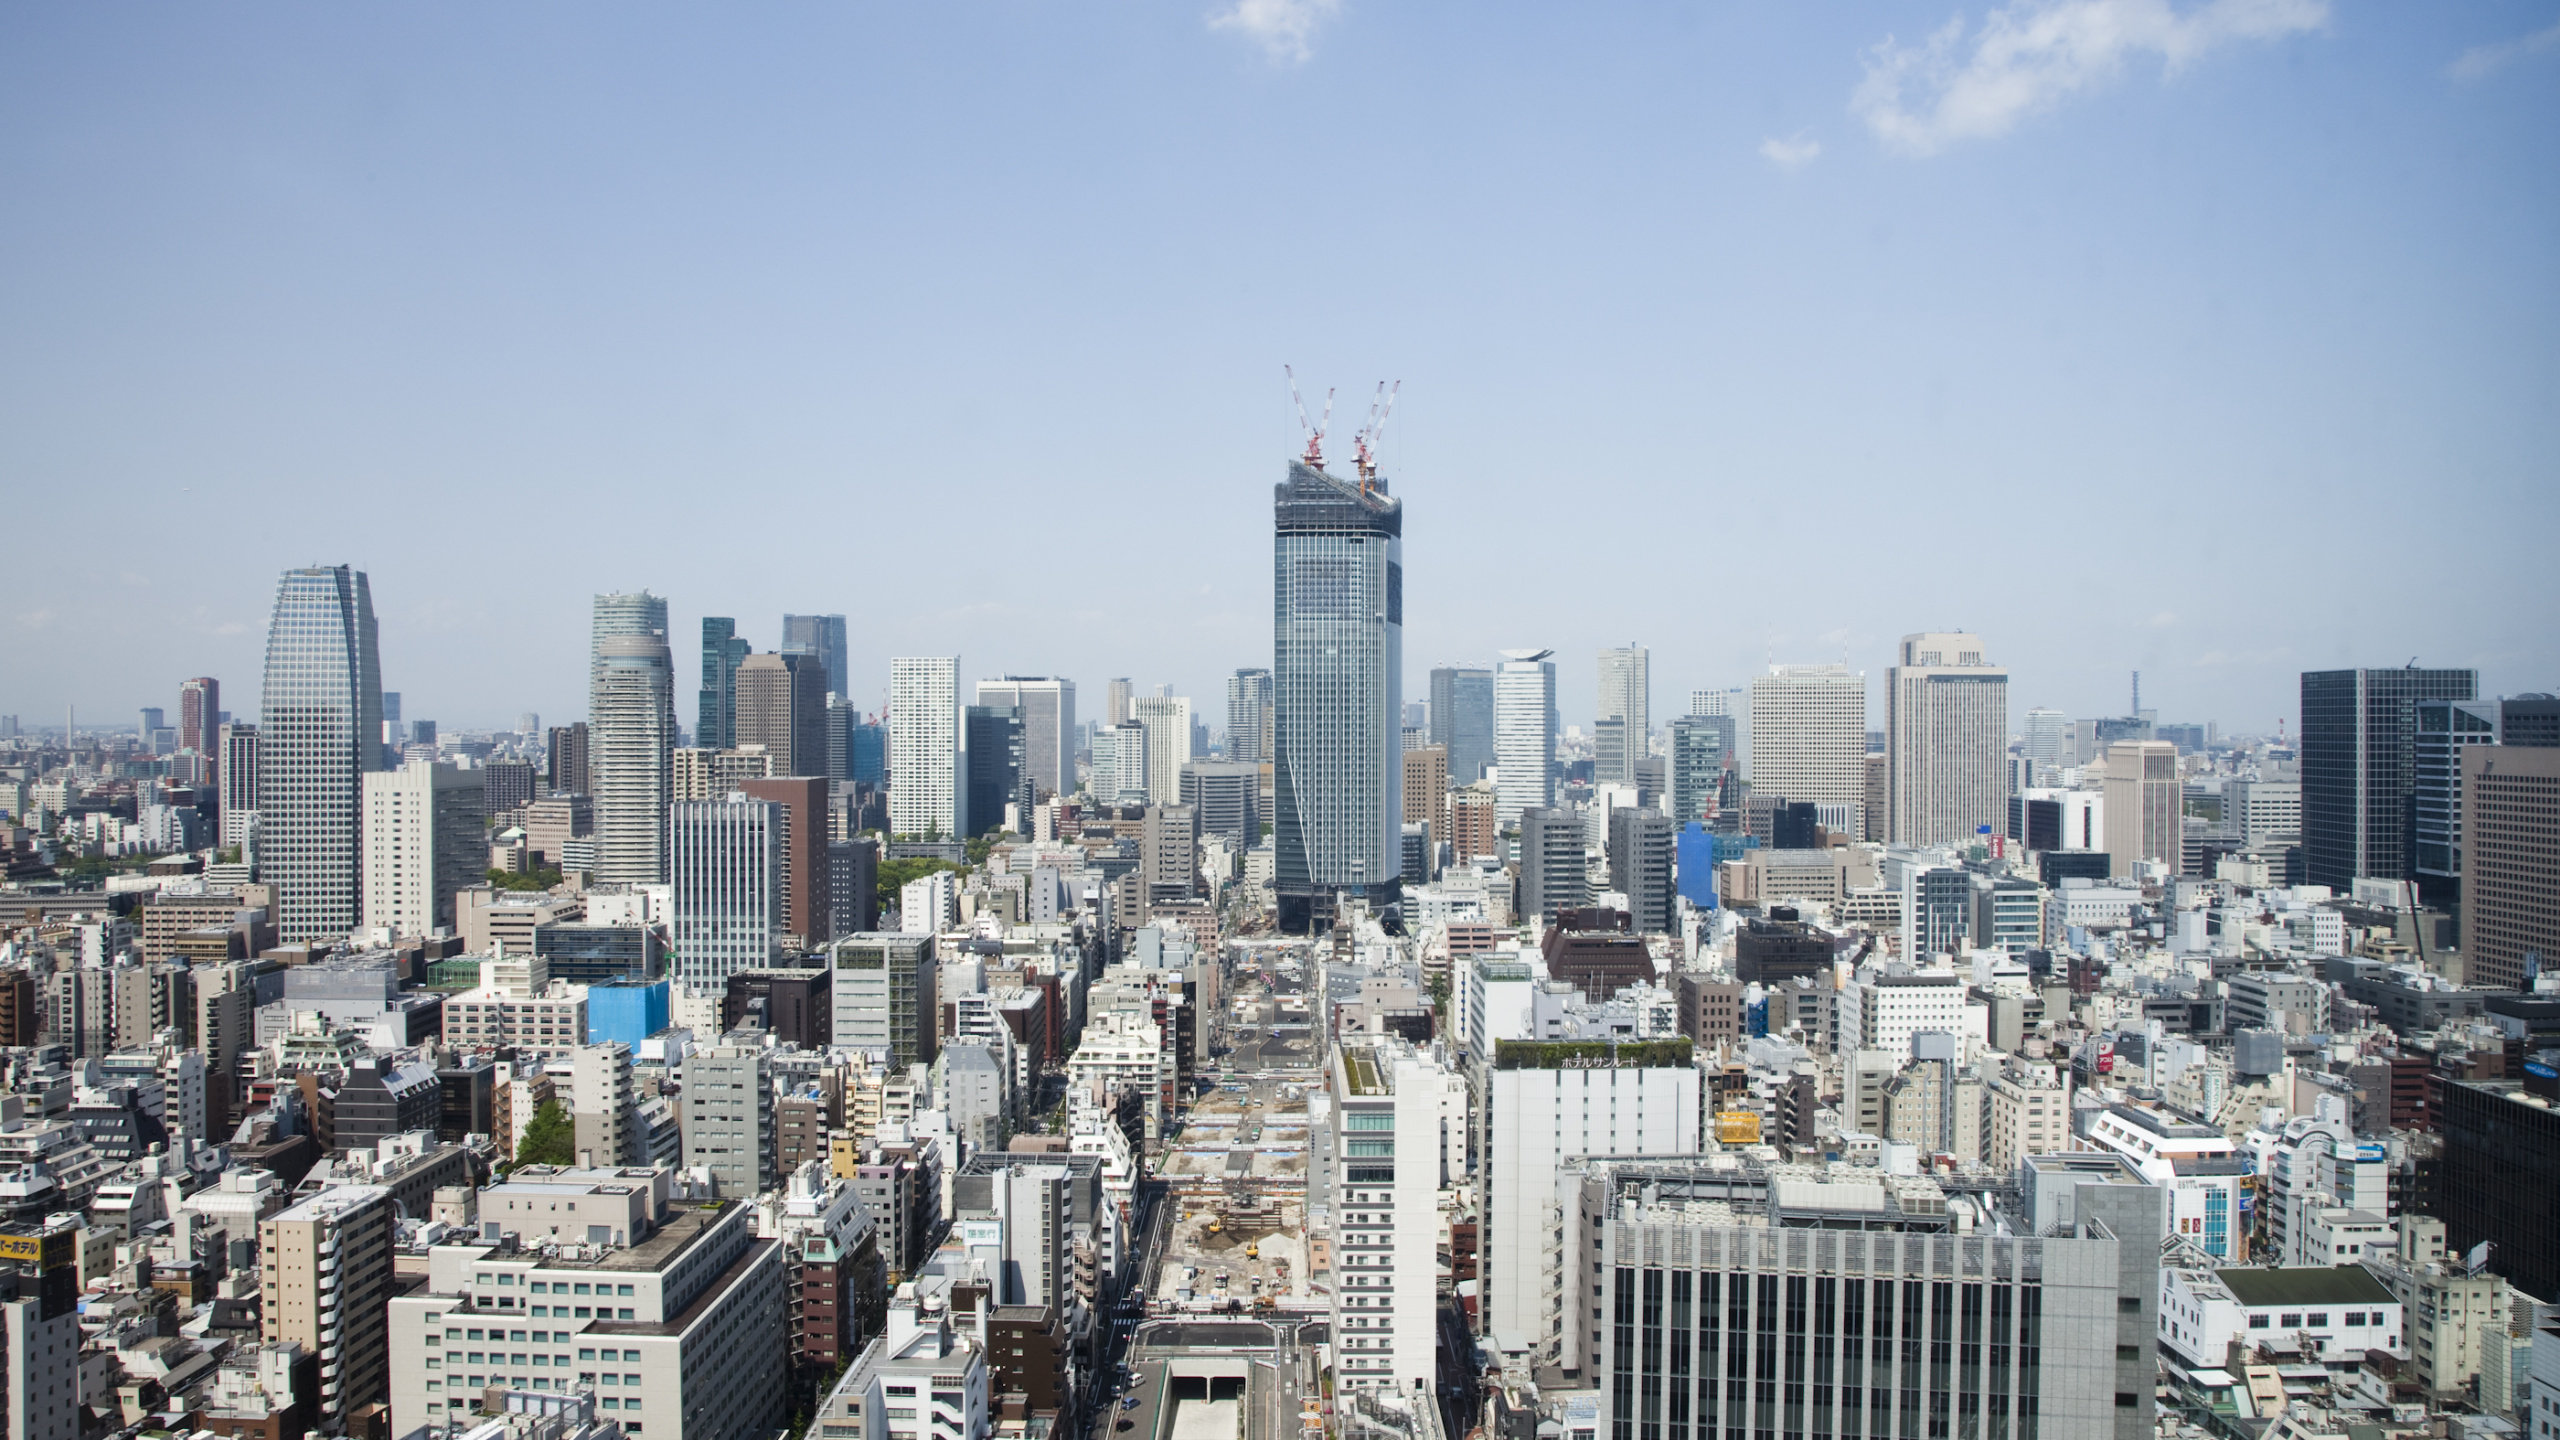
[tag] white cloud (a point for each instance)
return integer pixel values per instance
(2031, 55)
(2481, 60)
(1281, 27)
(1792, 154)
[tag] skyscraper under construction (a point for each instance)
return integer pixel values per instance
(1336, 682)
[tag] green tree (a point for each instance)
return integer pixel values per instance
(534, 880)
(893, 875)
(550, 1138)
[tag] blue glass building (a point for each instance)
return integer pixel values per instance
(626, 1010)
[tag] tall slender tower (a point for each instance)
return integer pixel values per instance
(319, 732)
(633, 613)
(1249, 716)
(924, 747)
(631, 741)
(1336, 680)
(715, 724)
(1626, 694)
(200, 715)
(1462, 720)
(1524, 734)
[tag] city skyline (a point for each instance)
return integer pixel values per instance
(2243, 290)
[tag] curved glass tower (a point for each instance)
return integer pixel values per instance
(1337, 671)
(319, 731)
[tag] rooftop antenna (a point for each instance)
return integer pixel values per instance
(1381, 405)
(1314, 432)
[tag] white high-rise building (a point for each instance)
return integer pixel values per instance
(1393, 1110)
(1048, 707)
(2045, 735)
(924, 746)
(631, 737)
(1524, 734)
(1946, 741)
(727, 882)
(424, 839)
(319, 728)
(1536, 1114)
(1812, 740)
(1167, 719)
(639, 613)
(1626, 693)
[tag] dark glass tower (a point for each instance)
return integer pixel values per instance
(994, 741)
(1337, 702)
(319, 731)
(715, 720)
(2359, 768)
(1462, 720)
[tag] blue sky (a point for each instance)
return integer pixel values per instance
(2215, 340)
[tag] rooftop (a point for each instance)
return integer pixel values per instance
(2306, 1285)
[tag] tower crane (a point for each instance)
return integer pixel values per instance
(1381, 405)
(1314, 432)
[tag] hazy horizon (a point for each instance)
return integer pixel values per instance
(2220, 346)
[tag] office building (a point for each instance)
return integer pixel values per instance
(1461, 720)
(1524, 734)
(711, 774)
(40, 1369)
(425, 838)
(1809, 737)
(1120, 764)
(998, 774)
(728, 1118)
(715, 725)
(1167, 721)
(674, 1315)
(727, 884)
(1227, 797)
(1626, 695)
(1337, 677)
(1472, 829)
(1426, 789)
(1947, 740)
(2145, 801)
(564, 756)
(631, 735)
(319, 729)
(2531, 719)
(1047, 707)
(1115, 701)
(808, 883)
(1543, 1104)
(1249, 716)
(1699, 745)
(238, 782)
(603, 1106)
(1395, 1112)
(2510, 863)
(1640, 844)
(2359, 767)
(924, 743)
(884, 996)
(1553, 875)
(2445, 728)
(200, 715)
(325, 1272)
(2044, 741)
(821, 638)
(782, 706)
(1769, 1299)
(1168, 855)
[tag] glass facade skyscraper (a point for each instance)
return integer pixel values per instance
(1524, 735)
(824, 637)
(715, 724)
(319, 732)
(2359, 767)
(630, 761)
(1462, 720)
(1337, 704)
